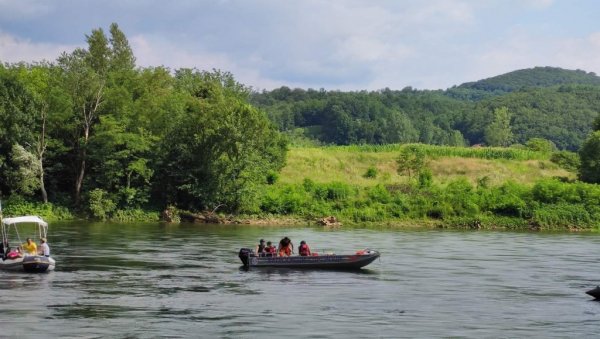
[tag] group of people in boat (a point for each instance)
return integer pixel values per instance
(285, 248)
(27, 248)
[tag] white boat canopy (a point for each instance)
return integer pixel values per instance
(33, 219)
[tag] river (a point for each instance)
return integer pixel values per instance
(155, 280)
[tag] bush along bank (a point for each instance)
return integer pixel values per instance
(549, 204)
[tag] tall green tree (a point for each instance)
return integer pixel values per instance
(221, 149)
(411, 160)
(85, 75)
(589, 171)
(499, 132)
(40, 82)
(17, 125)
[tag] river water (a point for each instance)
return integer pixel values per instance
(154, 280)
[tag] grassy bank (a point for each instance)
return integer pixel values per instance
(468, 188)
(489, 188)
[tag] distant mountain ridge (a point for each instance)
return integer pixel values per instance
(544, 102)
(533, 77)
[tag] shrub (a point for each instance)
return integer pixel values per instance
(272, 177)
(567, 160)
(425, 178)
(16, 205)
(135, 215)
(540, 145)
(371, 173)
(553, 191)
(505, 200)
(337, 191)
(589, 171)
(562, 215)
(379, 194)
(100, 204)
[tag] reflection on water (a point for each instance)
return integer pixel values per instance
(154, 280)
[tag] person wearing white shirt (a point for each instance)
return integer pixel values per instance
(45, 249)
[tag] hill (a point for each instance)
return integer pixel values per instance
(544, 102)
(525, 78)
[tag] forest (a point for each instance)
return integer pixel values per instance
(91, 134)
(551, 103)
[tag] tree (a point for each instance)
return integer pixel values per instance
(221, 148)
(85, 74)
(411, 160)
(499, 132)
(39, 80)
(590, 159)
(17, 125)
(86, 85)
(25, 178)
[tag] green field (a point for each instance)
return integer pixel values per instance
(348, 164)
(468, 188)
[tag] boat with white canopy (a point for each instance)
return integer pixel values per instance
(13, 258)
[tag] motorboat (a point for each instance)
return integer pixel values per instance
(595, 292)
(13, 259)
(328, 261)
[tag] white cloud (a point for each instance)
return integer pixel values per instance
(351, 44)
(15, 10)
(13, 49)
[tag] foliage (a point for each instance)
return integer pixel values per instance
(540, 145)
(127, 139)
(567, 160)
(25, 178)
(17, 205)
(218, 151)
(554, 104)
(499, 132)
(371, 172)
(100, 204)
(589, 153)
(135, 215)
(534, 77)
(411, 160)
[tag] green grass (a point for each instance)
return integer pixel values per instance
(348, 164)
(471, 188)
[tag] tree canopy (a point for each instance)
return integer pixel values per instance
(94, 130)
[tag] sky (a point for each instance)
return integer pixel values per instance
(335, 44)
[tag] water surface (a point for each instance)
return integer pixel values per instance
(152, 280)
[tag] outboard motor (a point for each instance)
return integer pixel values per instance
(244, 254)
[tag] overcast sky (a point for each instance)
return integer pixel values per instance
(346, 45)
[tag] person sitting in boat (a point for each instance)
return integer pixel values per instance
(303, 249)
(14, 253)
(3, 249)
(286, 248)
(270, 250)
(30, 247)
(260, 248)
(44, 248)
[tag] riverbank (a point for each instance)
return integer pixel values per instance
(458, 187)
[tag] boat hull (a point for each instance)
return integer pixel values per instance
(30, 264)
(328, 262)
(594, 292)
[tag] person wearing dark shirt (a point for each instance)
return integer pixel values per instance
(260, 248)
